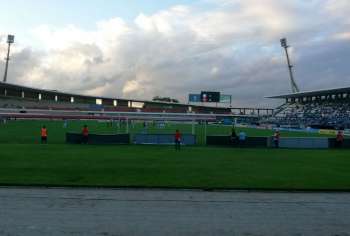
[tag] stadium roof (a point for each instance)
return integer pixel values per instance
(21, 87)
(56, 92)
(323, 92)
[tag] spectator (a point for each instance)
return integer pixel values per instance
(233, 135)
(144, 127)
(339, 139)
(65, 124)
(85, 134)
(233, 132)
(242, 138)
(177, 140)
(276, 139)
(44, 135)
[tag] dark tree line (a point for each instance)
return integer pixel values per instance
(165, 99)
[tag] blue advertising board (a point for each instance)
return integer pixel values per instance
(194, 98)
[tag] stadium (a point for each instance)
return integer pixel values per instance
(308, 121)
(175, 118)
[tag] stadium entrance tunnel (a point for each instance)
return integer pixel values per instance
(98, 139)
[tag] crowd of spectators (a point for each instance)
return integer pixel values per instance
(324, 114)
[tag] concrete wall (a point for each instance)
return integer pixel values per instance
(74, 138)
(295, 143)
(332, 143)
(307, 143)
(219, 140)
(187, 139)
(250, 142)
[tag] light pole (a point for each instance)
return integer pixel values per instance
(10, 40)
(295, 88)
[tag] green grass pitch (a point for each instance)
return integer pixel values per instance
(25, 162)
(28, 132)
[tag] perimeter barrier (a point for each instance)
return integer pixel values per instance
(251, 142)
(98, 139)
(333, 144)
(301, 143)
(163, 139)
(189, 139)
(267, 142)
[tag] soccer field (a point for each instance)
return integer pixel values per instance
(162, 166)
(25, 162)
(28, 132)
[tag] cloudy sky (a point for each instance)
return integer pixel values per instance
(143, 48)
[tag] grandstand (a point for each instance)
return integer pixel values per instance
(317, 109)
(16, 96)
(25, 102)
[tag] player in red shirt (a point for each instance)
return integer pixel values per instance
(276, 139)
(43, 134)
(339, 139)
(85, 133)
(177, 140)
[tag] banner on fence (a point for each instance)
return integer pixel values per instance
(328, 132)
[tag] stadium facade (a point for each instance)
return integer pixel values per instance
(21, 102)
(17, 95)
(328, 108)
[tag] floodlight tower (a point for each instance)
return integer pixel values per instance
(10, 40)
(295, 88)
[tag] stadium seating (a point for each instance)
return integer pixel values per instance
(322, 114)
(22, 98)
(6, 102)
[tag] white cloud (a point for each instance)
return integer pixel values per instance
(181, 49)
(131, 86)
(342, 36)
(338, 8)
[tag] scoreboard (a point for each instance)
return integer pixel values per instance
(207, 96)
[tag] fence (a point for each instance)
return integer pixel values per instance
(299, 143)
(267, 142)
(73, 138)
(187, 139)
(252, 142)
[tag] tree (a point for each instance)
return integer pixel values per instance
(165, 99)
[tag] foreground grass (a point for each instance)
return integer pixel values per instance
(193, 167)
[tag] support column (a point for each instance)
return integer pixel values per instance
(193, 127)
(127, 125)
